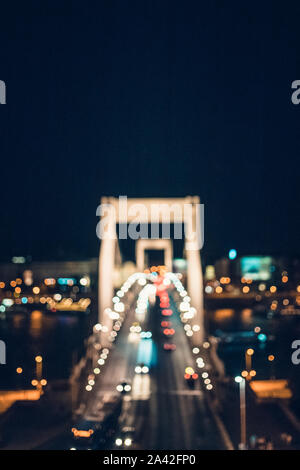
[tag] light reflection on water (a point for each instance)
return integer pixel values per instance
(222, 314)
(35, 323)
(59, 338)
(282, 330)
(246, 315)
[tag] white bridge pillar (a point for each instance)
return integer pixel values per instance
(106, 271)
(194, 268)
(180, 210)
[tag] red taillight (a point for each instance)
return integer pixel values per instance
(167, 312)
(168, 346)
(169, 331)
(187, 376)
(195, 376)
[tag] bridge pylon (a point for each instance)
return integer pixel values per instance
(148, 211)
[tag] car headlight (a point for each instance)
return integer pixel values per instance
(119, 442)
(128, 442)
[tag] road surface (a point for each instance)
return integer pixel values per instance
(163, 410)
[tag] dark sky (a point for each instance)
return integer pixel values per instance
(149, 98)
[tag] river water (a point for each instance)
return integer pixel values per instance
(280, 331)
(59, 338)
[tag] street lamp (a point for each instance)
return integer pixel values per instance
(242, 383)
(38, 367)
(248, 358)
(39, 383)
(271, 359)
(19, 372)
(248, 374)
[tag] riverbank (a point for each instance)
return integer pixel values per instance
(31, 423)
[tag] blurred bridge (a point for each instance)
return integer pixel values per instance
(184, 211)
(150, 344)
(171, 399)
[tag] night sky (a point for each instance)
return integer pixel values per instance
(149, 98)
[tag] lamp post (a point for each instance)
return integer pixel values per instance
(271, 358)
(39, 383)
(38, 367)
(19, 371)
(248, 359)
(242, 383)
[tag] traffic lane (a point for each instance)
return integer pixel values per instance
(121, 361)
(174, 417)
(119, 365)
(204, 433)
(183, 412)
(154, 418)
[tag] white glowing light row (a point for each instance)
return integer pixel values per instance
(117, 315)
(201, 365)
(187, 312)
(143, 298)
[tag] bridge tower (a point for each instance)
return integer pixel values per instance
(150, 211)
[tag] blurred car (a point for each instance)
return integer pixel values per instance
(141, 369)
(135, 328)
(167, 312)
(168, 331)
(124, 386)
(85, 434)
(146, 334)
(97, 429)
(126, 438)
(169, 346)
(190, 376)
